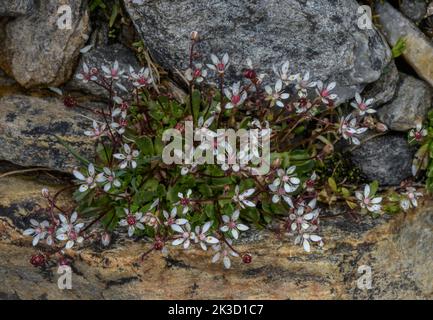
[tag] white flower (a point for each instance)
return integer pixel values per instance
(171, 220)
(87, 182)
(204, 125)
(306, 238)
(122, 109)
(232, 226)
(119, 126)
(69, 231)
(362, 106)
(38, 231)
(303, 216)
(411, 199)
(220, 66)
(366, 201)
(197, 73)
(132, 221)
(202, 237)
(97, 131)
(224, 251)
(283, 73)
(418, 133)
(310, 183)
(141, 78)
(87, 74)
(235, 95)
(348, 129)
(324, 92)
(276, 96)
(286, 182)
(150, 218)
(241, 198)
(128, 157)
(114, 72)
(303, 83)
(184, 201)
(108, 179)
(185, 235)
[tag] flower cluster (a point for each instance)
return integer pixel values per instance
(210, 206)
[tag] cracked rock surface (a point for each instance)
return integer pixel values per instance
(398, 250)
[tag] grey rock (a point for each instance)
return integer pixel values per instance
(414, 9)
(386, 158)
(36, 52)
(105, 55)
(410, 105)
(15, 8)
(419, 48)
(28, 128)
(383, 90)
(5, 81)
(318, 36)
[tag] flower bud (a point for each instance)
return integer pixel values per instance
(38, 260)
(246, 258)
(276, 163)
(158, 245)
(45, 193)
(250, 74)
(194, 36)
(328, 149)
(381, 127)
(69, 102)
(105, 239)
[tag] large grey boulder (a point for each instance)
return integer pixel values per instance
(29, 126)
(410, 105)
(35, 51)
(318, 36)
(414, 9)
(419, 48)
(386, 158)
(15, 8)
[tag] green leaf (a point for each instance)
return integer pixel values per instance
(332, 184)
(114, 14)
(104, 153)
(345, 192)
(145, 145)
(399, 48)
(373, 187)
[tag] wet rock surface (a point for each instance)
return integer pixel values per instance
(414, 9)
(410, 106)
(15, 8)
(386, 158)
(28, 129)
(315, 36)
(35, 51)
(397, 249)
(419, 48)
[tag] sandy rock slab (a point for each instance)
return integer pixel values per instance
(397, 249)
(30, 124)
(41, 48)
